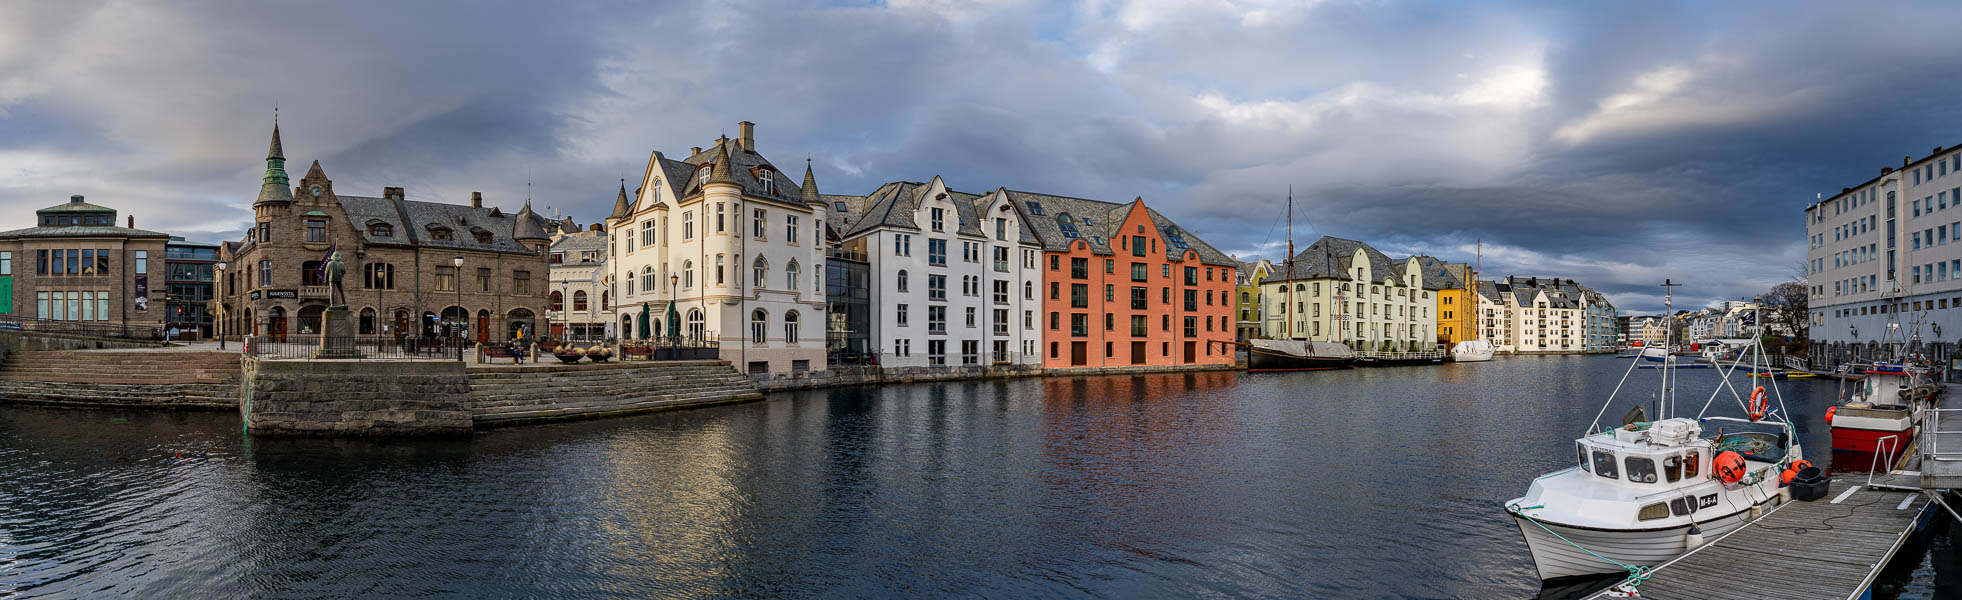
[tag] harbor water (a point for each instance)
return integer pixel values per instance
(1366, 483)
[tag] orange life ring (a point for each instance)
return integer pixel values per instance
(1759, 405)
(1830, 411)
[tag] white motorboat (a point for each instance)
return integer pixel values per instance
(1472, 351)
(1642, 493)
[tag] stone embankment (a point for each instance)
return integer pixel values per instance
(510, 395)
(111, 378)
(841, 376)
(356, 398)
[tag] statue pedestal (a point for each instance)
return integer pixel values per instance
(337, 334)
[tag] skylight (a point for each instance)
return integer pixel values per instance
(1035, 208)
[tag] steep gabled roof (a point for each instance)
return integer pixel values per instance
(1330, 258)
(896, 205)
(1437, 274)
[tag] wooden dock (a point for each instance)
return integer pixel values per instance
(1830, 548)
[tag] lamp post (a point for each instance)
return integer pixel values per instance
(219, 282)
(457, 282)
(674, 283)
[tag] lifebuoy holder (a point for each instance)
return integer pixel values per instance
(1759, 405)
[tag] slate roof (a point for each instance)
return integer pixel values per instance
(1437, 274)
(1092, 220)
(1331, 258)
(579, 242)
(742, 164)
(81, 231)
(70, 207)
(894, 205)
(840, 220)
(410, 221)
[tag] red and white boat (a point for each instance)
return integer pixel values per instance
(1890, 401)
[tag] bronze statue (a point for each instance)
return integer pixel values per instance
(335, 271)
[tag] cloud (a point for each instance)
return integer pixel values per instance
(1611, 143)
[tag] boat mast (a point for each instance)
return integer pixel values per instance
(1668, 358)
(1287, 284)
(1471, 286)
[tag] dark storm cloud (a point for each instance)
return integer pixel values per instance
(1617, 144)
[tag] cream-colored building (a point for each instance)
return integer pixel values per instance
(581, 304)
(734, 247)
(1529, 315)
(1345, 291)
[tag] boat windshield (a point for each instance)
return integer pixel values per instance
(1640, 469)
(1604, 464)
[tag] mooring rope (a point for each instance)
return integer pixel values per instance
(1636, 573)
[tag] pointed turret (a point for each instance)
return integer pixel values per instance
(722, 172)
(275, 188)
(811, 185)
(620, 209)
(527, 228)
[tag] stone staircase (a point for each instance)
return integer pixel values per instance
(511, 395)
(151, 379)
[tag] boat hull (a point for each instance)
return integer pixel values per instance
(1852, 439)
(1371, 361)
(1556, 559)
(1471, 357)
(1261, 360)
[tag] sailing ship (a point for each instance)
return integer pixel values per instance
(1290, 354)
(1472, 351)
(1644, 492)
(1475, 349)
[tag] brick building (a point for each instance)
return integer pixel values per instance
(401, 256)
(75, 264)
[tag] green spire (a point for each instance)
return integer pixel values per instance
(276, 161)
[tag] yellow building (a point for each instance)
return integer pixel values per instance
(1457, 311)
(1247, 282)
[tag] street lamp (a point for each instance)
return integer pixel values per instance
(674, 283)
(220, 284)
(457, 282)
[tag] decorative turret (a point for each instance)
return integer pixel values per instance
(722, 172)
(811, 186)
(275, 188)
(620, 210)
(528, 229)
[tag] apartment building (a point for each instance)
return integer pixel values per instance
(1888, 250)
(1346, 291)
(1528, 315)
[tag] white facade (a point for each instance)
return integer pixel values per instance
(1347, 292)
(580, 308)
(954, 277)
(735, 247)
(1889, 246)
(1534, 315)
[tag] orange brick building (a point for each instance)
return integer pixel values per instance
(1124, 286)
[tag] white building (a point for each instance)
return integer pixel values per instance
(954, 276)
(1346, 291)
(1526, 315)
(581, 305)
(732, 248)
(1889, 250)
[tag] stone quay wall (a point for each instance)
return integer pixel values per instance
(514, 395)
(841, 376)
(349, 398)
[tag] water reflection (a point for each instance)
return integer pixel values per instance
(1362, 483)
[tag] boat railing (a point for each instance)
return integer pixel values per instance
(1939, 424)
(1888, 447)
(1403, 355)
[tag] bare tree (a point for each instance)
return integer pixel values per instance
(1786, 305)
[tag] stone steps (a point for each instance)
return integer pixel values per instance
(207, 395)
(122, 378)
(550, 394)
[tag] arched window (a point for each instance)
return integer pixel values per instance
(762, 270)
(648, 282)
(695, 327)
(902, 280)
(721, 268)
(1244, 298)
(606, 301)
(759, 327)
(790, 327)
(790, 275)
(381, 230)
(579, 301)
(630, 283)
(1028, 290)
(688, 274)
(367, 321)
(558, 301)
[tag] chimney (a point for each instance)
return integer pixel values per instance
(132, 219)
(1886, 170)
(694, 150)
(1845, 190)
(476, 199)
(746, 131)
(75, 199)
(597, 227)
(1938, 150)
(1905, 160)
(393, 193)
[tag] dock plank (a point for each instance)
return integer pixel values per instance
(1840, 546)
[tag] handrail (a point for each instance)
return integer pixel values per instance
(1891, 441)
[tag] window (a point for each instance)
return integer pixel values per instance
(688, 274)
(902, 280)
(446, 279)
(936, 319)
(484, 279)
(1604, 465)
(721, 270)
(558, 301)
(1672, 468)
(971, 321)
(1640, 469)
(902, 245)
(937, 252)
(790, 274)
(687, 226)
(721, 217)
(1653, 512)
(265, 273)
(316, 230)
(1079, 295)
(646, 233)
(142, 262)
(936, 287)
(1690, 464)
(790, 229)
(439, 233)
(936, 352)
(900, 315)
(760, 222)
(939, 219)
(1079, 325)
(1079, 268)
(482, 237)
(1068, 225)
(521, 282)
(6, 263)
(1001, 228)
(759, 325)
(762, 270)
(790, 324)
(579, 301)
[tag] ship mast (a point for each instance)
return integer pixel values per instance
(1288, 326)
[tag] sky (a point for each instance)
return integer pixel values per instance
(1617, 144)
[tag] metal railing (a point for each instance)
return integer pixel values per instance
(87, 328)
(366, 347)
(1935, 426)
(1886, 446)
(671, 348)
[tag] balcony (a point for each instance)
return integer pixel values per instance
(315, 291)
